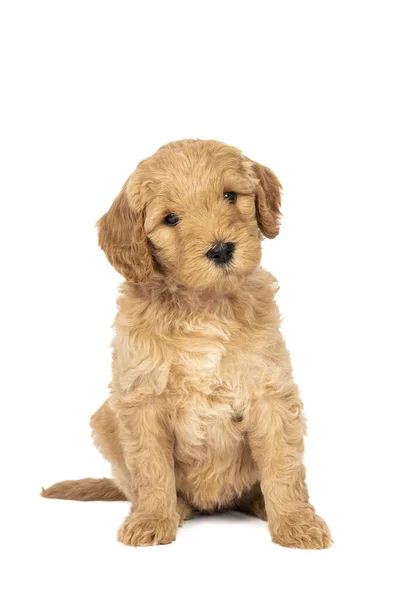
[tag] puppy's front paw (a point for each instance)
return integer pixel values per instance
(140, 529)
(302, 529)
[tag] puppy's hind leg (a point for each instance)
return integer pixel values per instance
(183, 508)
(252, 502)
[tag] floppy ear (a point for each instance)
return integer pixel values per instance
(268, 201)
(123, 239)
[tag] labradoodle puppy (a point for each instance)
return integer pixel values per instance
(203, 412)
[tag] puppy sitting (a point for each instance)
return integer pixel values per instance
(203, 412)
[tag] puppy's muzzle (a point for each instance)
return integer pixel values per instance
(221, 253)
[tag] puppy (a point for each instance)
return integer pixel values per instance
(203, 412)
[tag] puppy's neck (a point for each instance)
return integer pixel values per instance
(170, 293)
(222, 301)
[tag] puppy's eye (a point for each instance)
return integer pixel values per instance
(171, 220)
(231, 197)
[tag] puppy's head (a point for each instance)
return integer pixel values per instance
(192, 213)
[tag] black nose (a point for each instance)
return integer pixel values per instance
(221, 253)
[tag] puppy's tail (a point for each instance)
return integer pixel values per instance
(84, 490)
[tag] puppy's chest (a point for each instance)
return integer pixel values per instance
(213, 377)
(216, 364)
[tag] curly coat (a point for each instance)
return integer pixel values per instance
(203, 412)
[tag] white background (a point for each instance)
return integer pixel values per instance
(309, 89)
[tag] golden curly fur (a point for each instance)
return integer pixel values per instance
(203, 412)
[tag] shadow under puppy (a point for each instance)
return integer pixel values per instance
(203, 412)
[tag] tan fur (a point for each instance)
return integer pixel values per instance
(203, 412)
(84, 490)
